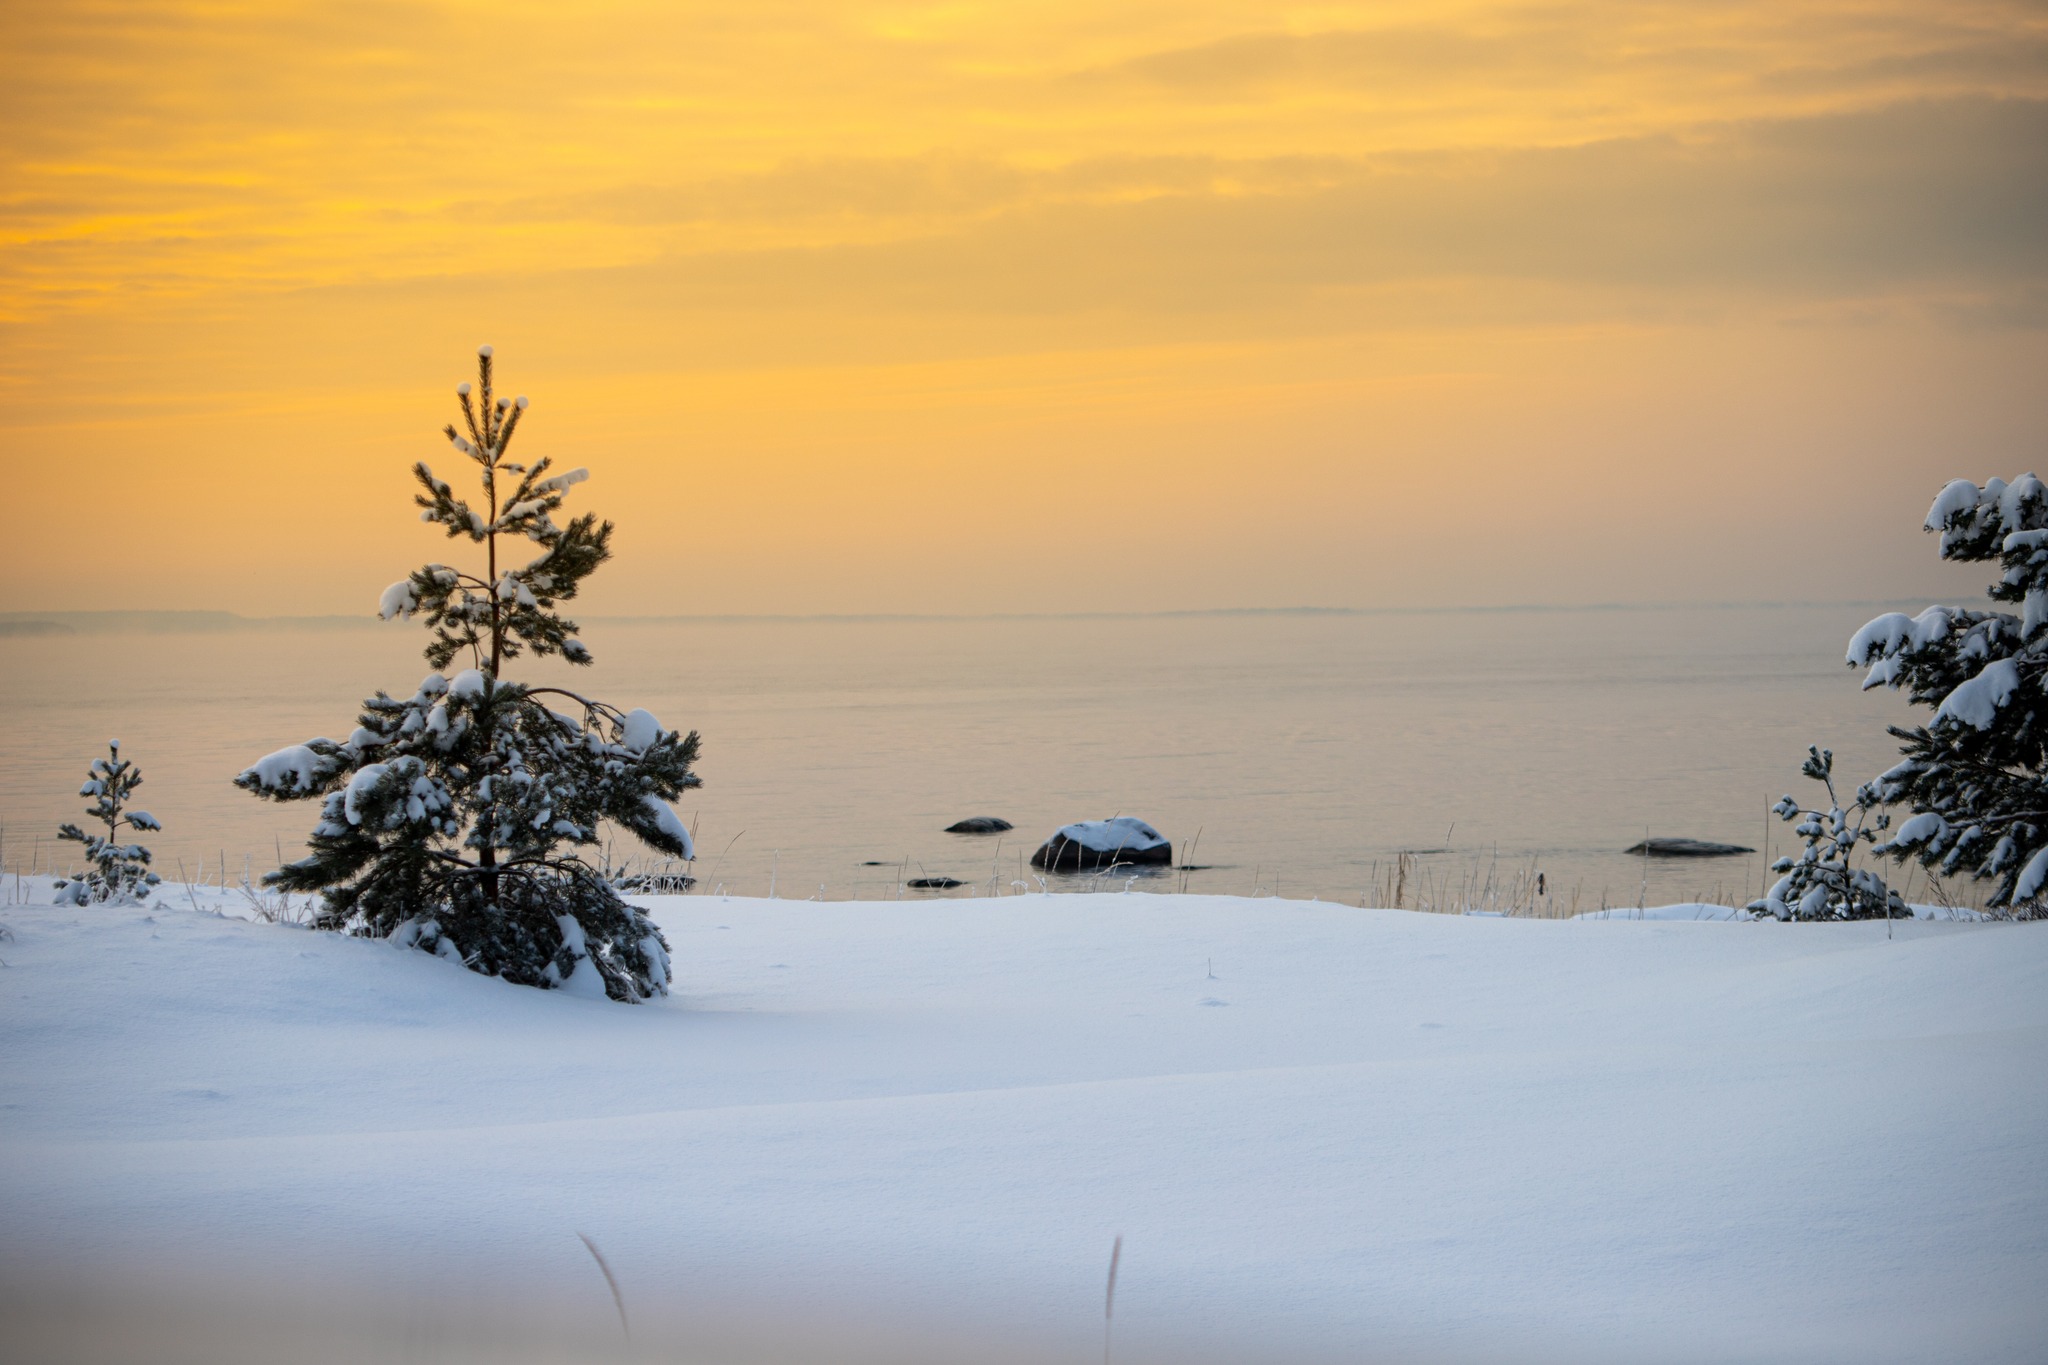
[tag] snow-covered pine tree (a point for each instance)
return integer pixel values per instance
(120, 872)
(1820, 883)
(1975, 776)
(451, 820)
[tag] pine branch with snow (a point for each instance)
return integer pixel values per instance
(1975, 775)
(444, 820)
(453, 821)
(120, 871)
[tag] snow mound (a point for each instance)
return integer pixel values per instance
(1729, 914)
(1407, 1136)
(1689, 910)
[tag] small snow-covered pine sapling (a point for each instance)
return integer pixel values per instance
(1820, 883)
(1975, 776)
(453, 820)
(119, 871)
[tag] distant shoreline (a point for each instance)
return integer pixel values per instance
(51, 623)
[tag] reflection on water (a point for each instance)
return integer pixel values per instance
(1289, 754)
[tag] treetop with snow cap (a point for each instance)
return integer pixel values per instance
(449, 820)
(510, 607)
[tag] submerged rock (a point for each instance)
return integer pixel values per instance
(1123, 841)
(933, 883)
(1686, 848)
(980, 824)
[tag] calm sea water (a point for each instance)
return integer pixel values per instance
(1296, 753)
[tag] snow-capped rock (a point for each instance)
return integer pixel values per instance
(1105, 843)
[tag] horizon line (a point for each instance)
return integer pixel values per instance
(199, 619)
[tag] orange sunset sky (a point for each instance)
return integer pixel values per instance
(979, 307)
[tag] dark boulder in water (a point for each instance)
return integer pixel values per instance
(933, 883)
(1122, 842)
(980, 824)
(1686, 848)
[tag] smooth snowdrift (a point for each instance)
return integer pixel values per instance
(1699, 910)
(1322, 1132)
(1690, 910)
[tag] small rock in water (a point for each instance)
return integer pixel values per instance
(1687, 848)
(933, 883)
(1104, 843)
(980, 824)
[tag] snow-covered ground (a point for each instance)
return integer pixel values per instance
(1699, 910)
(1322, 1132)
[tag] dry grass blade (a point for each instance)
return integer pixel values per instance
(1116, 1254)
(618, 1300)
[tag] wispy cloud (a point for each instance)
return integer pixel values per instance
(1937, 197)
(166, 147)
(924, 231)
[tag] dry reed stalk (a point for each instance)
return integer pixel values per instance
(720, 860)
(1644, 893)
(618, 1300)
(1764, 881)
(1116, 1254)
